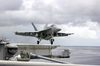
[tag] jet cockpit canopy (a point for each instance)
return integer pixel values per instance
(53, 25)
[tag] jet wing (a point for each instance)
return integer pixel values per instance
(62, 34)
(33, 34)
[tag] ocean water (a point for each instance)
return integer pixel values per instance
(89, 55)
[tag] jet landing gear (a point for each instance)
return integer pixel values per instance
(38, 41)
(51, 41)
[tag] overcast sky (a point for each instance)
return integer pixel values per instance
(81, 17)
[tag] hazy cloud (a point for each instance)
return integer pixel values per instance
(10, 5)
(51, 11)
(68, 11)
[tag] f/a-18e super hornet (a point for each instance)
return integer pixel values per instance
(47, 33)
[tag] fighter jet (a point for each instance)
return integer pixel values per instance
(47, 33)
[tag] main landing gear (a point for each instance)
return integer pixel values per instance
(51, 41)
(38, 42)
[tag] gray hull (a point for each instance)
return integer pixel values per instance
(19, 63)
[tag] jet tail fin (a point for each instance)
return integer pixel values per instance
(34, 27)
(45, 26)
